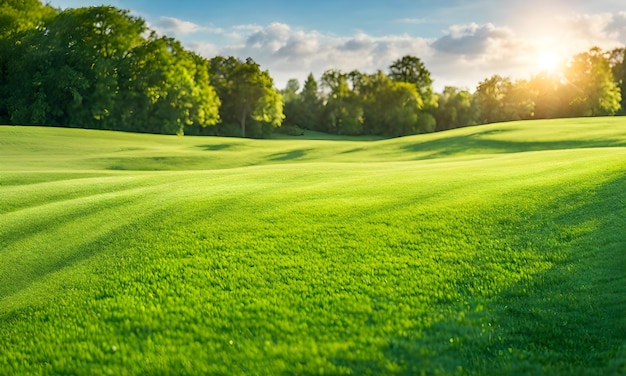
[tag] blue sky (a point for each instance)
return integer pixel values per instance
(461, 42)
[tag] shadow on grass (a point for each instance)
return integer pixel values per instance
(321, 136)
(567, 320)
(572, 318)
(477, 141)
(215, 147)
(161, 163)
(288, 156)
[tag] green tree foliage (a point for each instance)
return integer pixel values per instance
(500, 99)
(166, 88)
(100, 67)
(303, 107)
(343, 110)
(89, 43)
(94, 68)
(309, 117)
(457, 108)
(291, 102)
(411, 69)
(397, 104)
(19, 19)
(393, 108)
(589, 86)
(592, 90)
(617, 60)
(547, 93)
(248, 96)
(490, 97)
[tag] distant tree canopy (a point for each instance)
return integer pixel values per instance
(403, 102)
(100, 67)
(355, 103)
(95, 68)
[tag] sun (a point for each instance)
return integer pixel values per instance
(547, 62)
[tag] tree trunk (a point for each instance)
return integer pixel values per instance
(243, 124)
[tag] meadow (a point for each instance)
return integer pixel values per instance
(497, 249)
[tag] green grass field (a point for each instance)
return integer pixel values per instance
(498, 249)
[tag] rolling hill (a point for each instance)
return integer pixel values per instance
(497, 249)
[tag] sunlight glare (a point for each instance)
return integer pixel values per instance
(548, 62)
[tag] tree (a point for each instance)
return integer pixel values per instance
(292, 102)
(95, 68)
(617, 61)
(490, 95)
(91, 42)
(21, 22)
(392, 108)
(164, 88)
(343, 111)
(519, 102)
(311, 105)
(411, 69)
(592, 90)
(548, 95)
(457, 108)
(500, 99)
(247, 94)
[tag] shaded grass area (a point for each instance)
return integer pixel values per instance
(568, 319)
(482, 142)
(577, 309)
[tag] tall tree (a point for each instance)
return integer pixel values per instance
(549, 96)
(457, 108)
(164, 88)
(392, 108)
(617, 61)
(490, 97)
(292, 102)
(592, 88)
(247, 93)
(500, 99)
(311, 105)
(343, 110)
(21, 25)
(91, 42)
(412, 70)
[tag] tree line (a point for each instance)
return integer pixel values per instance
(101, 68)
(402, 102)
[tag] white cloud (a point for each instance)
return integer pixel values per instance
(204, 48)
(289, 52)
(605, 30)
(174, 26)
(463, 56)
(273, 37)
(472, 39)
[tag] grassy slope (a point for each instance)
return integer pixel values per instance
(493, 249)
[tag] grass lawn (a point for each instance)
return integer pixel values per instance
(498, 249)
